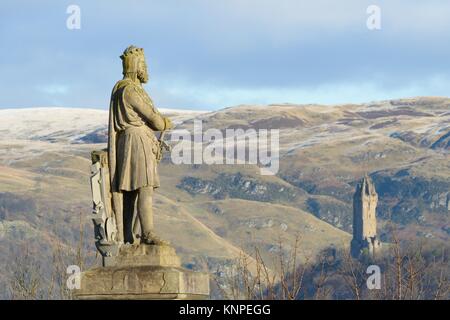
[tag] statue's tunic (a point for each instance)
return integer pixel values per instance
(132, 145)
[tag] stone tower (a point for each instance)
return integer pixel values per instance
(364, 219)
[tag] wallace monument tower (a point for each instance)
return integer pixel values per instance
(137, 264)
(365, 239)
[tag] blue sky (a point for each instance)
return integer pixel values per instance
(209, 54)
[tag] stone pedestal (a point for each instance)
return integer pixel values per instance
(143, 272)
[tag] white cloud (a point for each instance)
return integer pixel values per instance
(211, 97)
(53, 89)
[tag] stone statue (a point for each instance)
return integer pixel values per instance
(134, 150)
(136, 263)
(125, 175)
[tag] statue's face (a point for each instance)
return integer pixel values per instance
(142, 72)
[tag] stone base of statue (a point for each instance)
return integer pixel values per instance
(143, 272)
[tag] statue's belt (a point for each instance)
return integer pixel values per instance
(140, 131)
(136, 129)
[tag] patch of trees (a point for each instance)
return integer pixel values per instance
(11, 203)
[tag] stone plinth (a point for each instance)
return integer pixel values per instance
(143, 272)
(144, 255)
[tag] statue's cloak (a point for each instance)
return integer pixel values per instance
(132, 145)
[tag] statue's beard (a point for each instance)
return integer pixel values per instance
(142, 75)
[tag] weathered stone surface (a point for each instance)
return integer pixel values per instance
(144, 255)
(143, 282)
(143, 272)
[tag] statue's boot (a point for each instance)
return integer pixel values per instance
(153, 239)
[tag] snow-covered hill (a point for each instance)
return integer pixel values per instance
(212, 212)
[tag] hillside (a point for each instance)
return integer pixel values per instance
(212, 212)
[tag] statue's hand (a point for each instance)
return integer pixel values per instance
(168, 124)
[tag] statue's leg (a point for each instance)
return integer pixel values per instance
(129, 200)
(145, 210)
(118, 212)
(136, 226)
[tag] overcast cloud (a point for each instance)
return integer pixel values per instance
(213, 54)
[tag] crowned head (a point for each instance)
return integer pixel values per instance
(134, 65)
